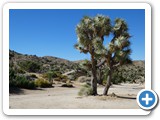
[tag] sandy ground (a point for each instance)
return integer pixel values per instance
(67, 98)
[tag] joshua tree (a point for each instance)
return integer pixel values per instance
(91, 33)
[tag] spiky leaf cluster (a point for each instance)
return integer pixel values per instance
(119, 45)
(90, 33)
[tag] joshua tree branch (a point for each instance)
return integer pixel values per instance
(116, 65)
(101, 63)
(84, 50)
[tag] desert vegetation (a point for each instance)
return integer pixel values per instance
(20, 77)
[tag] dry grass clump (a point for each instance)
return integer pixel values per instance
(42, 83)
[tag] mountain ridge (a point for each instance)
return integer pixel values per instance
(33, 63)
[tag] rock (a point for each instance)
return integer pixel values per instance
(84, 79)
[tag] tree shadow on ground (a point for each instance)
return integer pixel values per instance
(124, 97)
(15, 90)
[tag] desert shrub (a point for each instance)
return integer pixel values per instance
(57, 79)
(12, 83)
(42, 83)
(117, 78)
(16, 80)
(85, 90)
(30, 66)
(61, 76)
(50, 75)
(21, 82)
(12, 74)
(53, 75)
(21, 71)
(55, 68)
(31, 85)
(30, 77)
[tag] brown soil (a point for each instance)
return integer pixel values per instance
(120, 97)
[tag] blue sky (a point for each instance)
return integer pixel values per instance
(52, 32)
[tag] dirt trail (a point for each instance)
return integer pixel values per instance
(67, 98)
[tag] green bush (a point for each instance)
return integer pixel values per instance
(12, 74)
(117, 78)
(22, 82)
(30, 66)
(42, 83)
(50, 75)
(53, 74)
(12, 83)
(56, 76)
(31, 85)
(85, 90)
(19, 70)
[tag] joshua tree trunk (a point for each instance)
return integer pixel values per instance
(99, 76)
(94, 76)
(108, 84)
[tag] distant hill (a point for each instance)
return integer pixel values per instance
(46, 63)
(134, 72)
(139, 63)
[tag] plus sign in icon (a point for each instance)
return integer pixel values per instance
(147, 99)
